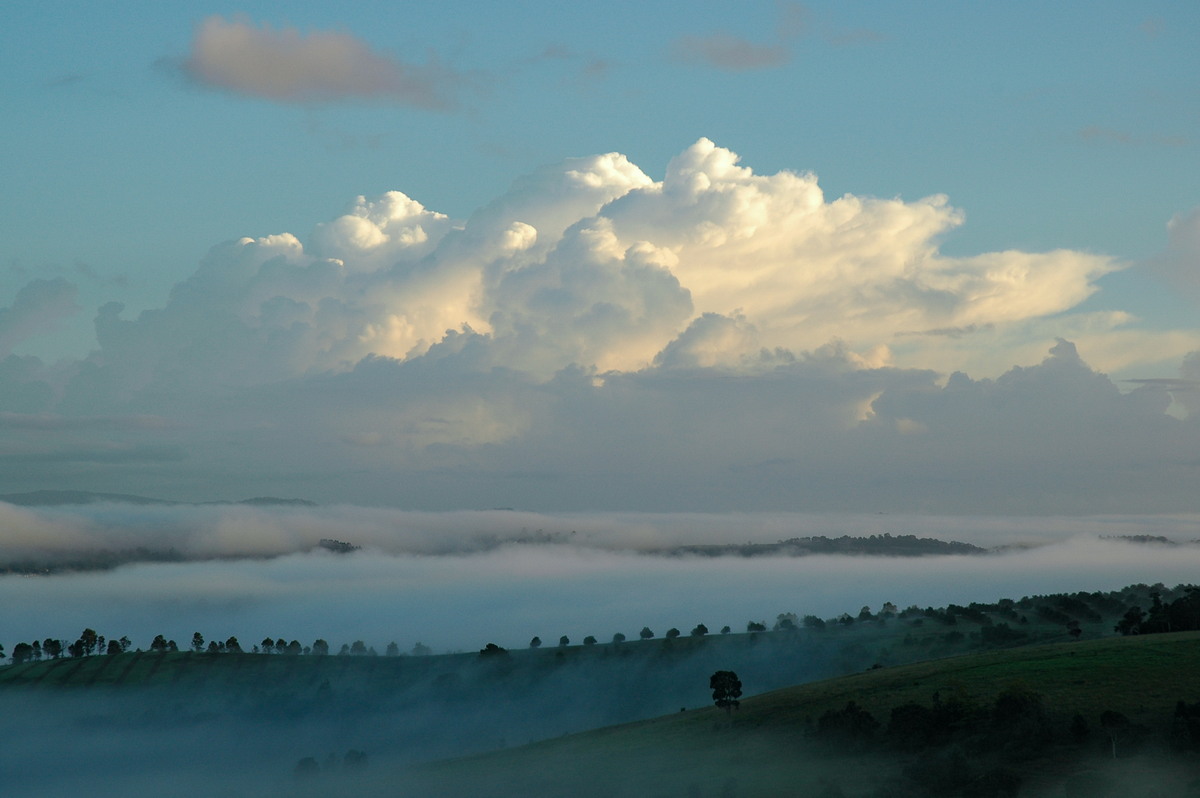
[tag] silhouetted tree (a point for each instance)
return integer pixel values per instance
(536, 642)
(564, 641)
(700, 630)
(358, 648)
(618, 638)
(1116, 726)
(1079, 728)
(22, 652)
(125, 642)
(726, 690)
(268, 645)
(89, 639)
(645, 634)
(756, 626)
(393, 650)
(197, 642)
(37, 650)
(214, 647)
(320, 647)
(114, 647)
(493, 650)
(52, 648)
(813, 622)
(589, 640)
(232, 646)
(1131, 621)
(159, 644)
(672, 633)
(725, 630)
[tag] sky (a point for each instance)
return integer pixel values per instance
(659, 257)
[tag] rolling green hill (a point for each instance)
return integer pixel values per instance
(770, 746)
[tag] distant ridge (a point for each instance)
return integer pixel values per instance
(63, 498)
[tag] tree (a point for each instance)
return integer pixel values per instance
(114, 648)
(358, 648)
(393, 650)
(89, 639)
(645, 634)
(618, 638)
(1131, 622)
(672, 633)
(268, 645)
(756, 626)
(197, 642)
(124, 641)
(700, 630)
(726, 690)
(725, 629)
(492, 650)
(564, 641)
(590, 640)
(22, 652)
(159, 644)
(232, 646)
(536, 642)
(786, 622)
(421, 650)
(320, 647)
(52, 648)
(1116, 726)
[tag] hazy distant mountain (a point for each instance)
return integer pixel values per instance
(57, 498)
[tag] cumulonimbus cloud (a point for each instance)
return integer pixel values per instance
(597, 337)
(287, 65)
(591, 263)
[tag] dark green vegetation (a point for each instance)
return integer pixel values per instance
(885, 545)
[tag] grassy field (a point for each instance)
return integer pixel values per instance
(764, 750)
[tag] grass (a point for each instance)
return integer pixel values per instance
(765, 748)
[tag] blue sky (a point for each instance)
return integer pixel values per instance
(143, 138)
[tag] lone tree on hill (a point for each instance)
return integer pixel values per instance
(727, 689)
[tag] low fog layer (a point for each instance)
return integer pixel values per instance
(57, 534)
(448, 580)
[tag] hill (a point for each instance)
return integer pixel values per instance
(63, 498)
(773, 745)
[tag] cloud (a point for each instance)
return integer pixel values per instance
(1179, 263)
(289, 66)
(729, 52)
(509, 592)
(37, 308)
(596, 337)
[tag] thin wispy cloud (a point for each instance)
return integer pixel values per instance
(729, 52)
(314, 67)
